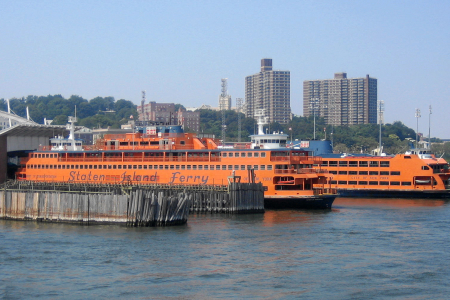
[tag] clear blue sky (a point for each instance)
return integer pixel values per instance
(178, 51)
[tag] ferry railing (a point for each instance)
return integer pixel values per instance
(300, 171)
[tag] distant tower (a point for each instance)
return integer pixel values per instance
(224, 98)
(142, 106)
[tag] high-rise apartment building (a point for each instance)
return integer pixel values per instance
(269, 90)
(342, 100)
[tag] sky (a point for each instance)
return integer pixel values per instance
(178, 51)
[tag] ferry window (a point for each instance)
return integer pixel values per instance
(408, 157)
(263, 167)
(353, 164)
(395, 173)
(363, 173)
(114, 167)
(333, 182)
(46, 156)
(384, 164)
(373, 182)
(324, 164)
(39, 166)
(242, 167)
(256, 154)
(189, 167)
(384, 172)
(236, 167)
(204, 168)
(363, 163)
(342, 182)
(230, 167)
(342, 172)
(224, 167)
(183, 167)
(395, 183)
(373, 172)
(425, 168)
(72, 167)
(242, 154)
(249, 154)
(123, 143)
(353, 172)
(373, 163)
(134, 167)
(177, 167)
(224, 154)
(384, 182)
(183, 142)
(217, 167)
(144, 143)
(140, 167)
(95, 167)
(343, 163)
(333, 172)
(406, 182)
(39, 155)
(352, 182)
(236, 154)
(51, 167)
(194, 167)
(333, 163)
(230, 154)
(63, 166)
(255, 167)
(166, 167)
(362, 182)
(263, 154)
(269, 167)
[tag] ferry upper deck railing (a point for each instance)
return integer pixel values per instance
(301, 171)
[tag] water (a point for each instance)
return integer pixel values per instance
(361, 249)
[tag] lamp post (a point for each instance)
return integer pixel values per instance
(417, 131)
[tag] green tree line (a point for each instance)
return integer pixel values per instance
(106, 111)
(97, 112)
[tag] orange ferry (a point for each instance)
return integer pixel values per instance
(167, 155)
(416, 174)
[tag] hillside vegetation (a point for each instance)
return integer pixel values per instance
(101, 112)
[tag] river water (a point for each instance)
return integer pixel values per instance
(360, 249)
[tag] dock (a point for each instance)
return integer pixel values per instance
(130, 205)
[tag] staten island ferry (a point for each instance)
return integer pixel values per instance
(415, 174)
(164, 154)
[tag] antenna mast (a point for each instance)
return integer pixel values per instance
(417, 131)
(239, 108)
(381, 119)
(429, 129)
(223, 96)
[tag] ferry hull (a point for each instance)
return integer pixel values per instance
(313, 202)
(418, 194)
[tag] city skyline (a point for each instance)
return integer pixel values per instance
(121, 48)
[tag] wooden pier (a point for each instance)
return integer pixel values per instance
(131, 205)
